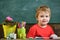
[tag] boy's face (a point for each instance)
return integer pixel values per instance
(43, 18)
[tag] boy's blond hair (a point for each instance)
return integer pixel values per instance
(42, 9)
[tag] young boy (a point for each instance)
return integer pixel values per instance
(42, 29)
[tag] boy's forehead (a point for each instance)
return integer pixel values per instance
(44, 12)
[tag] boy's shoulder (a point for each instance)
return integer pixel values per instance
(34, 26)
(49, 26)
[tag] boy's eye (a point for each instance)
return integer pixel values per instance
(46, 16)
(42, 16)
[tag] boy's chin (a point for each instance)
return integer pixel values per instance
(44, 24)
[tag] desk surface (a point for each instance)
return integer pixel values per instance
(33, 39)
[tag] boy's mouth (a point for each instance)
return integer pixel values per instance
(44, 21)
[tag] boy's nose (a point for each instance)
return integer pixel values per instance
(44, 18)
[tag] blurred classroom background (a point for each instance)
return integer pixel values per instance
(24, 10)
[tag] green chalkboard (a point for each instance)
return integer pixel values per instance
(24, 10)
